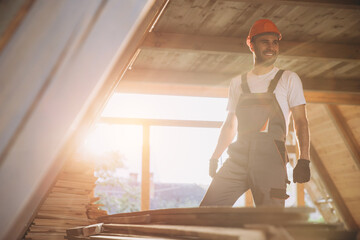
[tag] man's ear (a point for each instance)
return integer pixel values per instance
(251, 46)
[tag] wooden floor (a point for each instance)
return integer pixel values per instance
(212, 223)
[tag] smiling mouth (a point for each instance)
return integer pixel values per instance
(269, 54)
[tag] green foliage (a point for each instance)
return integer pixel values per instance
(119, 194)
(128, 202)
(105, 170)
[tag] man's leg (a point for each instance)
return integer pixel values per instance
(227, 186)
(268, 175)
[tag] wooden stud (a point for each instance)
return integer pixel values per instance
(300, 194)
(145, 169)
(249, 201)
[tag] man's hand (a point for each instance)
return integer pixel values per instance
(213, 165)
(301, 172)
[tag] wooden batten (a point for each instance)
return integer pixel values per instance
(70, 202)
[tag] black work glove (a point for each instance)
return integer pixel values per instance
(213, 165)
(301, 172)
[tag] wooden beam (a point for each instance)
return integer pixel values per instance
(216, 79)
(216, 85)
(145, 170)
(183, 77)
(332, 97)
(172, 89)
(222, 92)
(345, 131)
(203, 232)
(331, 189)
(161, 122)
(249, 201)
(231, 45)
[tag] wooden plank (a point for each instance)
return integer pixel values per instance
(215, 216)
(187, 231)
(68, 222)
(225, 220)
(127, 237)
(146, 218)
(71, 184)
(345, 132)
(221, 45)
(217, 210)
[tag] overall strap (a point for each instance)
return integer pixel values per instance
(244, 84)
(275, 81)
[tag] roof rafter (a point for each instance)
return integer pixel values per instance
(346, 132)
(212, 44)
(332, 190)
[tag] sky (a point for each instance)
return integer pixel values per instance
(177, 154)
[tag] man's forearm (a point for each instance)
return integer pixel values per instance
(227, 135)
(303, 135)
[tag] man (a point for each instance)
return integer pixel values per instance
(259, 107)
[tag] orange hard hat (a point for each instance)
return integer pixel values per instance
(262, 26)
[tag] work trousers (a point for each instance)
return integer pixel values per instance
(257, 163)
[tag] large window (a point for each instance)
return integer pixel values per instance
(178, 154)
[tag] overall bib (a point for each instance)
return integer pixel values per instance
(257, 160)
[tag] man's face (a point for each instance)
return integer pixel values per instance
(266, 49)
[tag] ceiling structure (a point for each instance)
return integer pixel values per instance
(196, 47)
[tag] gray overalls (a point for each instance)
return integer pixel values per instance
(258, 157)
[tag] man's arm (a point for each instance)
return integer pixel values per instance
(227, 134)
(301, 172)
(302, 130)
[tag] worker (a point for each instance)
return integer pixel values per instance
(259, 107)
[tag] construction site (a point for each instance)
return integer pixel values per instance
(150, 79)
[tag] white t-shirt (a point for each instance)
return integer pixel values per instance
(289, 91)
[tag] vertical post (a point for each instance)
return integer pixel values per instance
(300, 194)
(145, 169)
(249, 202)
